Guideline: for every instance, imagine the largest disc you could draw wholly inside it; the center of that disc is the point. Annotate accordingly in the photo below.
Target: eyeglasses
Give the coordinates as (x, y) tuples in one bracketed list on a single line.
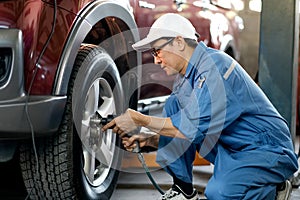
[(154, 50)]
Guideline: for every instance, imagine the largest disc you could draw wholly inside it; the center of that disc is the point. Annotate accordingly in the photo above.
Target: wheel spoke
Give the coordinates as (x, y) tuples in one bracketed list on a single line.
[(105, 153), (106, 104), (89, 165), (84, 129), (91, 104)]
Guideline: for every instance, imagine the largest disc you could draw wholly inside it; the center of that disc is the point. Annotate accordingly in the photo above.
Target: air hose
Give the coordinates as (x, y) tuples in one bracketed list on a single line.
[(142, 160)]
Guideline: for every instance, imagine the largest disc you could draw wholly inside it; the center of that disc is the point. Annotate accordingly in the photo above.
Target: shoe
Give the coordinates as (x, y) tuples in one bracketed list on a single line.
[(175, 193), (295, 181), (284, 191)]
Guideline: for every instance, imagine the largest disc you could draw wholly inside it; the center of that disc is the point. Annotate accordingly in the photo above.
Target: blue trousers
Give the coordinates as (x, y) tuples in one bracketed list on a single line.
[(251, 174)]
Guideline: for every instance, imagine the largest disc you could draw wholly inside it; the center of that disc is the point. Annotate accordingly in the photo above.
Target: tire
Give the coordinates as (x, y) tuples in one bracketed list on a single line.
[(67, 167)]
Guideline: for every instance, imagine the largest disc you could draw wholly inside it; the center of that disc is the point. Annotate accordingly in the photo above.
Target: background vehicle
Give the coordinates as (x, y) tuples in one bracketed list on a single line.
[(61, 61), (216, 22)]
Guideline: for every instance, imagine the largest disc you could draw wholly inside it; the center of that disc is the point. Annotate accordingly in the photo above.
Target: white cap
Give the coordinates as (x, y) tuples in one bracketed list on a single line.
[(167, 25)]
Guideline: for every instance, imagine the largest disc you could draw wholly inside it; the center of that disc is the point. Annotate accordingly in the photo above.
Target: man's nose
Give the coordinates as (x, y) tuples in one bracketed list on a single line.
[(157, 60)]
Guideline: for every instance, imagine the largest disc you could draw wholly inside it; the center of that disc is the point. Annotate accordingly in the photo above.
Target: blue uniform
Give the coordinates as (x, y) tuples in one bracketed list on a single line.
[(228, 119)]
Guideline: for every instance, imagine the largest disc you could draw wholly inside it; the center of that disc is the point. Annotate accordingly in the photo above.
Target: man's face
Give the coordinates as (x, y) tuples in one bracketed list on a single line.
[(166, 55)]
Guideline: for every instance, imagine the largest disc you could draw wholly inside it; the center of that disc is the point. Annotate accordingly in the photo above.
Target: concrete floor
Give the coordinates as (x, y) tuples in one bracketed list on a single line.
[(135, 184)]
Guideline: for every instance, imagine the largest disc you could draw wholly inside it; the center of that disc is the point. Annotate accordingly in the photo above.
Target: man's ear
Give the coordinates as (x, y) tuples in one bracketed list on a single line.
[(180, 43)]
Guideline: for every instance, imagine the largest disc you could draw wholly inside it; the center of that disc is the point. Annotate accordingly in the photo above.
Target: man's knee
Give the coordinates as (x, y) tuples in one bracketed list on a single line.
[(224, 189), (219, 191), (228, 190)]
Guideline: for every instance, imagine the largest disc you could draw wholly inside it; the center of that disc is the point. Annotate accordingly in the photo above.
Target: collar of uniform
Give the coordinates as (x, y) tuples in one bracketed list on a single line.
[(197, 54)]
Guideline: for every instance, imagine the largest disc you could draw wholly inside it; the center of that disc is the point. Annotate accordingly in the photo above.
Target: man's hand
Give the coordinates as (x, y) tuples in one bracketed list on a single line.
[(144, 139), (123, 124)]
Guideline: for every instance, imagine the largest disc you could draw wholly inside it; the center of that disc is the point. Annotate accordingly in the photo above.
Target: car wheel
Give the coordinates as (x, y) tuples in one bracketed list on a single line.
[(69, 166)]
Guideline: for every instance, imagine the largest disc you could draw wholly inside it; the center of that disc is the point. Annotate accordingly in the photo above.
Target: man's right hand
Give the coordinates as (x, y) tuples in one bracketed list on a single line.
[(144, 139)]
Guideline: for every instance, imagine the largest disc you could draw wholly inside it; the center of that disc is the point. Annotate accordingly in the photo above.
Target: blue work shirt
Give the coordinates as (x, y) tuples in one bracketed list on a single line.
[(220, 103)]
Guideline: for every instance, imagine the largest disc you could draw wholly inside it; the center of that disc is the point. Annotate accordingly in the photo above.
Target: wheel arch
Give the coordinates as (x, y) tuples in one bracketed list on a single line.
[(120, 28)]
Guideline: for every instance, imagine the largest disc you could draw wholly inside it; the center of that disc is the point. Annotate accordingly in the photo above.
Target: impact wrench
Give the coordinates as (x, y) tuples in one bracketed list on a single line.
[(97, 121)]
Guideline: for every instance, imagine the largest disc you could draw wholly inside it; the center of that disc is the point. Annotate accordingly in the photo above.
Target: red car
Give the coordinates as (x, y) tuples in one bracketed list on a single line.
[(63, 63), (216, 22)]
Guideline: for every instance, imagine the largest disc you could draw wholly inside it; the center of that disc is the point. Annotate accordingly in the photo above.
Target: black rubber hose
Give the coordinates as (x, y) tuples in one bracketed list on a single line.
[(142, 160)]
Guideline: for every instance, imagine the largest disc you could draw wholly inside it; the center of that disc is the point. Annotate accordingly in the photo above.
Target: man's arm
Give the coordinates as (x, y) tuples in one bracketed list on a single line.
[(131, 119), (162, 126)]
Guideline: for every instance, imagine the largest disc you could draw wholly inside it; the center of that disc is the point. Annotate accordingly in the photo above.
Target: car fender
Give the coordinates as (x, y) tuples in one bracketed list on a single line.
[(83, 23)]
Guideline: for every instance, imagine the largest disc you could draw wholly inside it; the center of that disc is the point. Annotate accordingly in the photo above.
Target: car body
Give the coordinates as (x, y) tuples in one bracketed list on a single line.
[(216, 22), (61, 62)]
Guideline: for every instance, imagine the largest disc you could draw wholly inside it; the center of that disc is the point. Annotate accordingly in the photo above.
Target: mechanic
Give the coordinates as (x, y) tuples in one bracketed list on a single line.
[(215, 108)]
